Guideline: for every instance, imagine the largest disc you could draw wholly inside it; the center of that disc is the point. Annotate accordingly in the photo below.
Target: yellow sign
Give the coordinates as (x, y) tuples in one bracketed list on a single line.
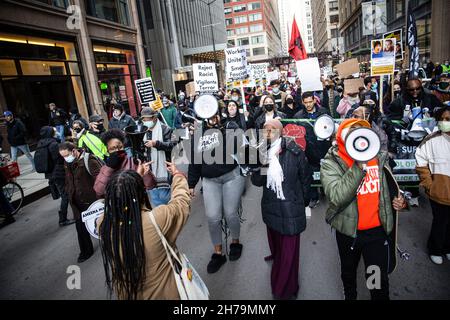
[(157, 105)]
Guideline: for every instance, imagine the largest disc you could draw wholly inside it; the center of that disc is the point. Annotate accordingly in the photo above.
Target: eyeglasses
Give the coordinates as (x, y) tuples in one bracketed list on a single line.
[(414, 89)]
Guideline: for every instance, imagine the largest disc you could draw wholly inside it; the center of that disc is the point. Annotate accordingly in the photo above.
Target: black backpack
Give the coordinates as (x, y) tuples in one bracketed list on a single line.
[(43, 161)]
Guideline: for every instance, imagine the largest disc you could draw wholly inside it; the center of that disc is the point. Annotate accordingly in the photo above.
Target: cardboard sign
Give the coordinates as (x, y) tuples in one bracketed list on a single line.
[(308, 71), (236, 63), (347, 68), (205, 77), (398, 35), (145, 90), (353, 85), (383, 57), (190, 89)]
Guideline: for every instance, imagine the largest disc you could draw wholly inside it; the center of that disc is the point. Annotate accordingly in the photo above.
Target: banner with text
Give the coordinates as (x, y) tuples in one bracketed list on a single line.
[(383, 57), (205, 77), (146, 90), (236, 64)]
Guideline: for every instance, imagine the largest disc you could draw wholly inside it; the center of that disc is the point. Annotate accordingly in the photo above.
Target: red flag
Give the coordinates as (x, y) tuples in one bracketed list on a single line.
[(296, 48)]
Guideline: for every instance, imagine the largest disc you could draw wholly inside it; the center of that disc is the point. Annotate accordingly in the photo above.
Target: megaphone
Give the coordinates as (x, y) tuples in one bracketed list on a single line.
[(136, 136), (362, 144), (324, 127), (417, 131), (206, 106)]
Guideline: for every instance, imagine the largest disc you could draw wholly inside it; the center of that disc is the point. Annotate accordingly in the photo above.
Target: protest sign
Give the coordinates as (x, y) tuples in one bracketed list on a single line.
[(190, 89), (383, 57), (205, 77), (308, 71), (145, 90), (258, 71), (353, 85), (347, 68), (236, 63), (273, 75), (398, 36)]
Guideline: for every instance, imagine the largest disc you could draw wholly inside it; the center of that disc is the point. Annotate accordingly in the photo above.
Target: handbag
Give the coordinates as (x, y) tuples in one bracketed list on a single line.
[(189, 284)]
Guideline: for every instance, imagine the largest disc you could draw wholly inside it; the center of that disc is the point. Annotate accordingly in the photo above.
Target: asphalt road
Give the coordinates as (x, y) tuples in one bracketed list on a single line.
[(35, 254)]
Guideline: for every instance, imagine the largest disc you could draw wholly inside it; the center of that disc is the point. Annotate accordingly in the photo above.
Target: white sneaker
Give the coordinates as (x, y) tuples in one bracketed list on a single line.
[(437, 259), (414, 202)]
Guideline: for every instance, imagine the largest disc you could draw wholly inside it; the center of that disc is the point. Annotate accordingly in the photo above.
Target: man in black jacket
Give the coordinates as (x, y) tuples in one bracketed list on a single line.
[(56, 178), (315, 149), (415, 96), (159, 144), (58, 118), (75, 115), (16, 137)]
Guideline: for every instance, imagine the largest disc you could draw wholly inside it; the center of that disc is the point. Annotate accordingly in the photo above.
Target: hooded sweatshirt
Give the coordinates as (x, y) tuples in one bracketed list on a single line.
[(369, 191)]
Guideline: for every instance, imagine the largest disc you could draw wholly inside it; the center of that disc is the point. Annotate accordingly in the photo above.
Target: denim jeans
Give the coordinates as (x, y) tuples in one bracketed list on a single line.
[(159, 196), (222, 196), (60, 185), (25, 150)]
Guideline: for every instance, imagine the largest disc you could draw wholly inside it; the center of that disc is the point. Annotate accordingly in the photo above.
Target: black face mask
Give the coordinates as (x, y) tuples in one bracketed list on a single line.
[(77, 130), (289, 101), (269, 108), (397, 94), (100, 127), (444, 85)]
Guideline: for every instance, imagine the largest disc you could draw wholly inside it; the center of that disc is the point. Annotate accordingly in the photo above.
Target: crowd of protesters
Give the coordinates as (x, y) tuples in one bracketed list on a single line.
[(87, 161)]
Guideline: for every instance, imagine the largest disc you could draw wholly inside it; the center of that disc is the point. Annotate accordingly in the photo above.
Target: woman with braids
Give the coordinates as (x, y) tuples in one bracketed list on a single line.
[(135, 261)]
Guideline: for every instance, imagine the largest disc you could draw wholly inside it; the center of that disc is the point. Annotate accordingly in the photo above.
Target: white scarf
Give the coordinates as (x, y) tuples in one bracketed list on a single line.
[(275, 176), (158, 156)]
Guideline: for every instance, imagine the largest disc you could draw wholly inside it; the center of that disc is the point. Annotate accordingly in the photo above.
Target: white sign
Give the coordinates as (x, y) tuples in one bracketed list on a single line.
[(258, 70), (236, 59), (308, 71), (91, 215), (205, 77), (273, 75), (374, 17)]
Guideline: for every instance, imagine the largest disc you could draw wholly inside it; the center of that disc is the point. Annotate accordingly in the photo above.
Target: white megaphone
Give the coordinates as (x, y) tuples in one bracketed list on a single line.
[(362, 144), (417, 131), (324, 127), (206, 106)]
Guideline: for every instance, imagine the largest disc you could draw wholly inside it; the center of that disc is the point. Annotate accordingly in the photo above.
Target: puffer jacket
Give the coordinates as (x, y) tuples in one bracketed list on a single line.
[(433, 167), (287, 216), (48, 141), (341, 183), (16, 133)]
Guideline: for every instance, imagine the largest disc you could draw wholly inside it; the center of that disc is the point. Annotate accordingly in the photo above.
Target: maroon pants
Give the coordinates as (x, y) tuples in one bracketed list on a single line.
[(285, 251)]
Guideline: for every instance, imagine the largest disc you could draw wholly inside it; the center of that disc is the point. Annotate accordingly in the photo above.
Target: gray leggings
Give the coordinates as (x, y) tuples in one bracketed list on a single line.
[(223, 195)]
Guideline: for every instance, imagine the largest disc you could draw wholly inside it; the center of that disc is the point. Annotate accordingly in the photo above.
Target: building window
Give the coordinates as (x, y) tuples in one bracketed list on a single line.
[(334, 19), (240, 19), (242, 30), (258, 40), (230, 32), (259, 51), (111, 10), (231, 42), (254, 6), (228, 10), (334, 5), (256, 27), (228, 21), (56, 3), (243, 42), (254, 17), (240, 8)]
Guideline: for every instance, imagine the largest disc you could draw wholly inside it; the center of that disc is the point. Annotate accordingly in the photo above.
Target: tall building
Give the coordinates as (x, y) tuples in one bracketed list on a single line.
[(85, 59), (327, 38), (255, 26), (176, 34), (430, 16), (301, 10)]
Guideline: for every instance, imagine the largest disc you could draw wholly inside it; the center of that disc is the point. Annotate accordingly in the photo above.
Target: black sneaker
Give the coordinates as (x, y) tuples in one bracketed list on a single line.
[(67, 222), (8, 220), (235, 251), (217, 260)]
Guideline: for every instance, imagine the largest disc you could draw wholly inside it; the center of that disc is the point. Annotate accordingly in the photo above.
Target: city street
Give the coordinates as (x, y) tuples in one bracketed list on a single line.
[(36, 252)]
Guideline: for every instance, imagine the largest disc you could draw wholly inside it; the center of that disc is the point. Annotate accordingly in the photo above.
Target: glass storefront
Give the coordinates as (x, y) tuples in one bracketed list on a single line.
[(117, 71), (35, 72)]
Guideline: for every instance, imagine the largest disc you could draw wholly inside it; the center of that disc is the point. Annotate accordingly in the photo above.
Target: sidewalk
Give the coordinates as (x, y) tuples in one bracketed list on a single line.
[(34, 184)]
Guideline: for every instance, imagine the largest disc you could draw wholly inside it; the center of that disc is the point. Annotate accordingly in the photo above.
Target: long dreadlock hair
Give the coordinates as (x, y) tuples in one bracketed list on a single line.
[(121, 235)]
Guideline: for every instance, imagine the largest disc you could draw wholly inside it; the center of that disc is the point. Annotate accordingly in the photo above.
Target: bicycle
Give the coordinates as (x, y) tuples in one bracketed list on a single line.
[(12, 191)]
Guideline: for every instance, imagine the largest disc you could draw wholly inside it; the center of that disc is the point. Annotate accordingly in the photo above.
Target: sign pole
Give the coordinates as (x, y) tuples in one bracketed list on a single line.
[(381, 94), (244, 104)]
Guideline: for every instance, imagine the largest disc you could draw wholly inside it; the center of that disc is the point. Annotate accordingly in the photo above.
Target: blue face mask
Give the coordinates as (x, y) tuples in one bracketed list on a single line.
[(375, 85)]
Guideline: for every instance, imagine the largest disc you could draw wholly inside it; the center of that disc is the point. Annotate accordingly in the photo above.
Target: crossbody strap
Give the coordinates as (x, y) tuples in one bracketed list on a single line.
[(93, 144), (169, 250)]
